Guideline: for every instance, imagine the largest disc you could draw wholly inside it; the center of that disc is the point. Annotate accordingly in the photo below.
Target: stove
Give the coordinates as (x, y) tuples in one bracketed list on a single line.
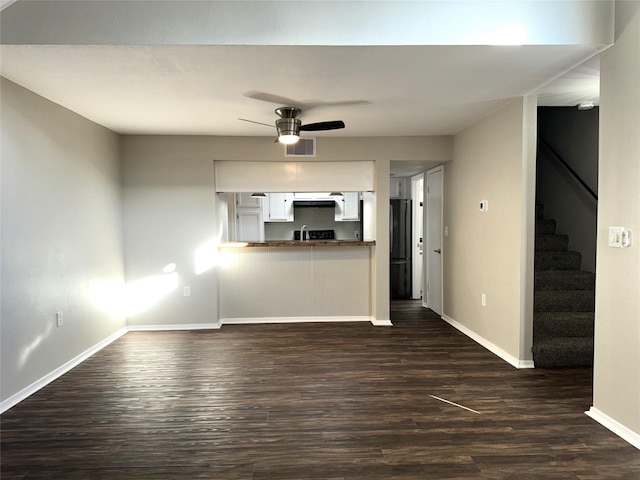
[(316, 235)]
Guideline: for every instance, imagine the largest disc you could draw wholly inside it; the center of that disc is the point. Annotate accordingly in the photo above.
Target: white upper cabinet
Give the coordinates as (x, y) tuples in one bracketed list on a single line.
[(348, 207), (245, 200), (278, 207), (395, 188)]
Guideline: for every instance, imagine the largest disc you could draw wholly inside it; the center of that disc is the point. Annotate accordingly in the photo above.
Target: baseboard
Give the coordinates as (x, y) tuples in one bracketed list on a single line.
[(381, 323), (169, 327), (493, 348), (58, 372), (616, 427), (254, 320)]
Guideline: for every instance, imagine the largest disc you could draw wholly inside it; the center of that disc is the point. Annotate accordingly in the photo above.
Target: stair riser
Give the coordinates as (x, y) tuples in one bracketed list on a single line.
[(564, 280), (545, 226), (577, 327), (564, 301), (549, 243), (558, 261), (563, 353)]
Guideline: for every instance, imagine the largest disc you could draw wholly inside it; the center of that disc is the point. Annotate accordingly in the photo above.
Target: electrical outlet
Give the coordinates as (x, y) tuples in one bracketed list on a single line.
[(483, 300), (186, 291), (59, 319)]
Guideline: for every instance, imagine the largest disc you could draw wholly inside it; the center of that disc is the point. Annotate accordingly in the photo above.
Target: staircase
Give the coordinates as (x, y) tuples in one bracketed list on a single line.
[(564, 301)]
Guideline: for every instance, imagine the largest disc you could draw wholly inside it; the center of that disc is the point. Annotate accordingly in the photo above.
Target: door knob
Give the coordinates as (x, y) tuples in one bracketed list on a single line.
[(438, 251)]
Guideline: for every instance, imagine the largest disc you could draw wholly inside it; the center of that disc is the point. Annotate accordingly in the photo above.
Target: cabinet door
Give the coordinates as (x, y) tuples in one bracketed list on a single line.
[(395, 188), (348, 207), (279, 207), (245, 200), (249, 226)]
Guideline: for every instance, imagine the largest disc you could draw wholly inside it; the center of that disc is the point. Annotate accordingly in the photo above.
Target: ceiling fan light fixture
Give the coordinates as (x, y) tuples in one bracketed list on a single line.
[(288, 130), (288, 139)]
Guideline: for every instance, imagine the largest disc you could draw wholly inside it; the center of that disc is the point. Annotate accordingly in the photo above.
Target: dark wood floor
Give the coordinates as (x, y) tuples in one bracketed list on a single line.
[(311, 401)]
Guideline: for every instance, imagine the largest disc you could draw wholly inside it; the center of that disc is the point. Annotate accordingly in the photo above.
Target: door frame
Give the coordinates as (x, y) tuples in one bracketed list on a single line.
[(427, 226), (417, 247)]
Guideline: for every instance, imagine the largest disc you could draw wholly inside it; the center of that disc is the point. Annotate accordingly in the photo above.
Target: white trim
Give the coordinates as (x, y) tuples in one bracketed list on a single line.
[(381, 323), (493, 348), (58, 372), (616, 427), (169, 327), (254, 320)]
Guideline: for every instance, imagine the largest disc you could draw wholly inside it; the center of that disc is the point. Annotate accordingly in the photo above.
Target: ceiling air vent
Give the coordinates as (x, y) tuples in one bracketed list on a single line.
[(305, 147)]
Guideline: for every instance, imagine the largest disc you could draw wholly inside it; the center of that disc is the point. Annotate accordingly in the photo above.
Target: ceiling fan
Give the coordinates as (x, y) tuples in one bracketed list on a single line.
[(289, 125)]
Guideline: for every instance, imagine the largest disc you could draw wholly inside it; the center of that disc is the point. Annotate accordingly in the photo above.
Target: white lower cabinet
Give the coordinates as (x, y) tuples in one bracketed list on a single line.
[(278, 207), (348, 207)]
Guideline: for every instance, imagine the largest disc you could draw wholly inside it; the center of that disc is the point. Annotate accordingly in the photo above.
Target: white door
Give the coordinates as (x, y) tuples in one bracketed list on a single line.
[(433, 247), (417, 197)]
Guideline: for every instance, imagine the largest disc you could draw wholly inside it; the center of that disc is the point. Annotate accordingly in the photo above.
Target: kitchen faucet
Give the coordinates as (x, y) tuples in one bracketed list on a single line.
[(302, 232)]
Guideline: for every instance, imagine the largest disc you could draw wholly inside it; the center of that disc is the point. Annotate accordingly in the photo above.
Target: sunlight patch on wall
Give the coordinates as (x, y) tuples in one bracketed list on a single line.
[(135, 297), (147, 292), (26, 351)]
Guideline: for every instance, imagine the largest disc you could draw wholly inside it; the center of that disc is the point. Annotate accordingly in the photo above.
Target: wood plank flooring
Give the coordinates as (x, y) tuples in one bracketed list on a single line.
[(311, 401)]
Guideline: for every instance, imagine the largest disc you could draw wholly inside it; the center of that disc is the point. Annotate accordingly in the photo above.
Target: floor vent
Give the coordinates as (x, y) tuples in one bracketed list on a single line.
[(305, 147)]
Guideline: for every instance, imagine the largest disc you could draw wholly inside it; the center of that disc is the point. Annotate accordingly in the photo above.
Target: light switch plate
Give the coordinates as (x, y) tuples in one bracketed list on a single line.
[(484, 205), (616, 237)]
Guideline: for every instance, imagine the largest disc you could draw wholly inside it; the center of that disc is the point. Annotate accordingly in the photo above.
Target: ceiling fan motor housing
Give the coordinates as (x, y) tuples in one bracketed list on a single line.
[(288, 126)]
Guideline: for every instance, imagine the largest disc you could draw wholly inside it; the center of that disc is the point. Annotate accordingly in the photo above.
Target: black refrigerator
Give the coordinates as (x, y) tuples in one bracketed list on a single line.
[(400, 245)]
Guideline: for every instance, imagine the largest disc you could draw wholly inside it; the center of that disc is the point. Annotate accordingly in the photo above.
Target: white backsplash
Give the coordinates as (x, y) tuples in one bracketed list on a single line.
[(315, 218)]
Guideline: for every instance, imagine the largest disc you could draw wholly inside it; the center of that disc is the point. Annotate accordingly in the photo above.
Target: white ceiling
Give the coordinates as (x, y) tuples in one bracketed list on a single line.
[(203, 90), (376, 90)]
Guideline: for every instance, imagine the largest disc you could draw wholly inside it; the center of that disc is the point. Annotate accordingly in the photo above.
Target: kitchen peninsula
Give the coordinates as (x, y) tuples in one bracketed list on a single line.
[(292, 280), (304, 243)]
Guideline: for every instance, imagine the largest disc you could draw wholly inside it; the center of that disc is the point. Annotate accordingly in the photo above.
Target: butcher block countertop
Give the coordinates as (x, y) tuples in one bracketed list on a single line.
[(298, 243)]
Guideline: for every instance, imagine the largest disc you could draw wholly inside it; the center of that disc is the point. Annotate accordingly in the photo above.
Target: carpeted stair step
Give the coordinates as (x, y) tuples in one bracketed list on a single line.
[(564, 301), (563, 352), (557, 260), (562, 324), (564, 280), (545, 226), (546, 242)]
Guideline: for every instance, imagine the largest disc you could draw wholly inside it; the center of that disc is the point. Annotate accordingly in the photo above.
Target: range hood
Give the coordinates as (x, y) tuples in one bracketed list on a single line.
[(314, 203), (314, 199)]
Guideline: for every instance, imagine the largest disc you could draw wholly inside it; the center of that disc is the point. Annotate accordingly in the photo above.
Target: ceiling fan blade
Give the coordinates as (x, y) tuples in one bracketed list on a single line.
[(258, 123), (315, 127), (268, 97)]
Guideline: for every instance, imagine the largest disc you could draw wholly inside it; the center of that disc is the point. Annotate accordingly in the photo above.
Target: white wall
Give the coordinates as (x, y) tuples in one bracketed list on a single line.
[(616, 388), (492, 252), (169, 204), (61, 236)]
